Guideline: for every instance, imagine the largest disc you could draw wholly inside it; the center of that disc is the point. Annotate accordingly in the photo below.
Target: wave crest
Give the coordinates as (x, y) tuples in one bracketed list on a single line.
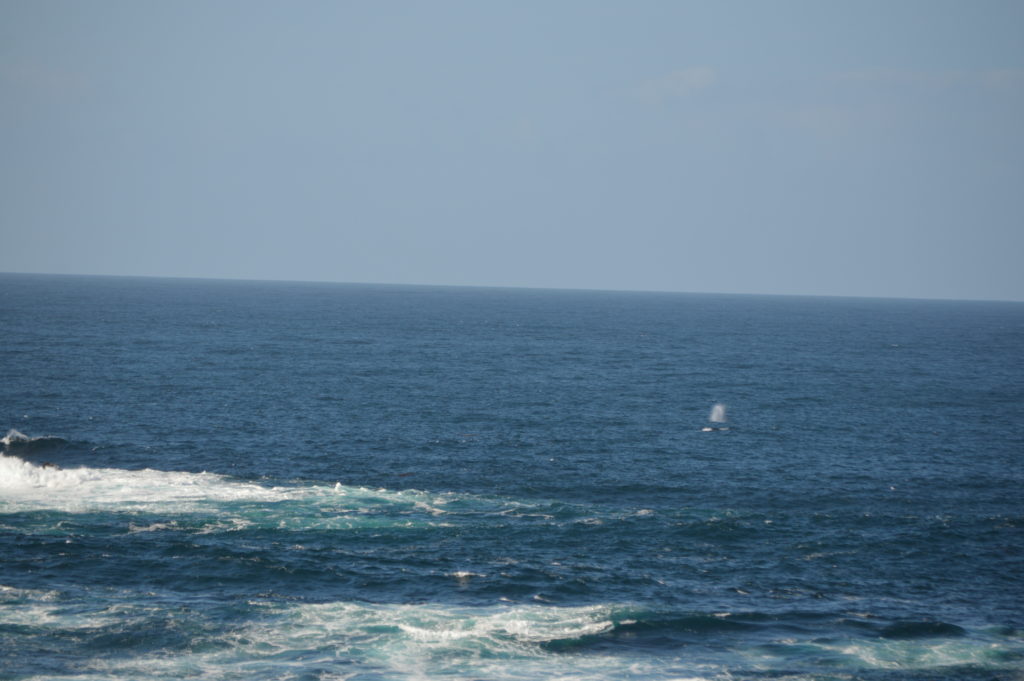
[(16, 442)]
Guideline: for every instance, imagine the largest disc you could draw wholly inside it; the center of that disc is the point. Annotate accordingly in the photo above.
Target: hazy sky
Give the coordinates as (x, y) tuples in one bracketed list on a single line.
[(834, 148)]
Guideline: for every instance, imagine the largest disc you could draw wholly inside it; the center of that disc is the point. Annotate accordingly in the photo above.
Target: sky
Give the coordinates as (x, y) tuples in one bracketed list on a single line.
[(858, 148)]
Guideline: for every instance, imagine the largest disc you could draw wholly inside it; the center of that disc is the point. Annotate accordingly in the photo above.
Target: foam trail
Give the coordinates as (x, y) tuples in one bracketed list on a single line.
[(33, 485), (218, 502)]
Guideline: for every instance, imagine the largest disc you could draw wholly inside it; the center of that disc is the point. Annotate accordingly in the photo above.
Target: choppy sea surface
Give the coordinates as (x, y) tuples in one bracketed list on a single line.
[(245, 480)]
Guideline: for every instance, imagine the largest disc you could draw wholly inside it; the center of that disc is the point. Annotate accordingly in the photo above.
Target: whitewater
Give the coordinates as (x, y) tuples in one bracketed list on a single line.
[(244, 480)]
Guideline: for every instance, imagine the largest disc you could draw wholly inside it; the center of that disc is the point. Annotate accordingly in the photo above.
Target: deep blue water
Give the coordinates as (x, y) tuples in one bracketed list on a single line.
[(242, 480)]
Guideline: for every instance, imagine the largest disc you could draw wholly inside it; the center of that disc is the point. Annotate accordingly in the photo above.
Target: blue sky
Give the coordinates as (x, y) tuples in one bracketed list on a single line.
[(823, 148)]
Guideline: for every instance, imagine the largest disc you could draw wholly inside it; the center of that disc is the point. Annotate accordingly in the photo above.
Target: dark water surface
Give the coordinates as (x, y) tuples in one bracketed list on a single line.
[(320, 481)]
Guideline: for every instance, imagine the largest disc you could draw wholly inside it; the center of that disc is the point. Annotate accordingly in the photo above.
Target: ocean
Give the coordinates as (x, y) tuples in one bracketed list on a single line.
[(265, 480)]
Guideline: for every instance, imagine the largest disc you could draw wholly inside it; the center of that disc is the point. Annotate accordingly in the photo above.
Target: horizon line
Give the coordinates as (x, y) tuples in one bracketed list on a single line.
[(579, 289)]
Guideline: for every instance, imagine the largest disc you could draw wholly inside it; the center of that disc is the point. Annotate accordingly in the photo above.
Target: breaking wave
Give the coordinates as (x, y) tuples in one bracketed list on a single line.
[(16, 442)]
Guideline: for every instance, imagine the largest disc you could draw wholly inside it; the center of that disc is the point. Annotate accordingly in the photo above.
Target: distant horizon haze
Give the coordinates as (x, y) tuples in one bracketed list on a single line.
[(767, 294), (865, 149)]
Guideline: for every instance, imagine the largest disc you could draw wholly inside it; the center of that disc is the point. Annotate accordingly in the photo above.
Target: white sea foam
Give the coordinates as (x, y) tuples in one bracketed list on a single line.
[(914, 654), (428, 641), (394, 642), (464, 577), (504, 642), (26, 485), (154, 527), (515, 635), (225, 504), (11, 594)]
